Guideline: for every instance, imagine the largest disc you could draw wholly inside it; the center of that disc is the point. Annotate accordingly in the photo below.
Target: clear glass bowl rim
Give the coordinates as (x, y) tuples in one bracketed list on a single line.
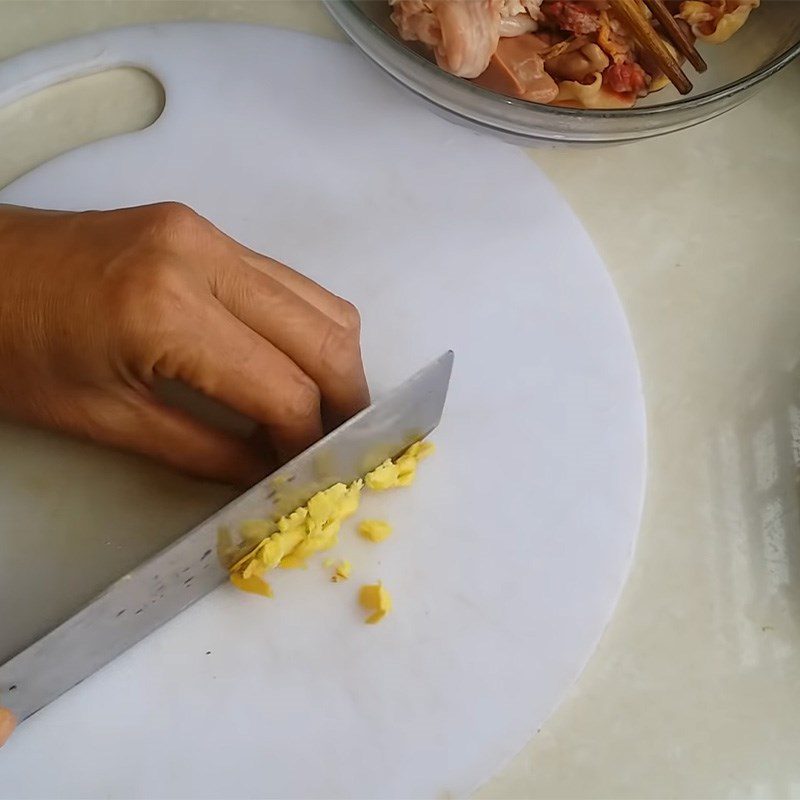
[(685, 104)]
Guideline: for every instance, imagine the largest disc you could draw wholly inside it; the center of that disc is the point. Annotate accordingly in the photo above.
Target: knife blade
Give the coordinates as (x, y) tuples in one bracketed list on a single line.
[(153, 593)]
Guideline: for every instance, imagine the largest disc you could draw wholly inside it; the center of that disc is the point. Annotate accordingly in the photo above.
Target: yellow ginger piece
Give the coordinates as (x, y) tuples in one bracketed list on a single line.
[(305, 531), (342, 571), (349, 503), (256, 530), (253, 584), (420, 450), (383, 477), (375, 598), (315, 527), (376, 530), (293, 561), (401, 471)]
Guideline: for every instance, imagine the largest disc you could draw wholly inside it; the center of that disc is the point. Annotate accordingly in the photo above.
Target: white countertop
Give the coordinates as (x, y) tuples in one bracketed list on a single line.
[(695, 688)]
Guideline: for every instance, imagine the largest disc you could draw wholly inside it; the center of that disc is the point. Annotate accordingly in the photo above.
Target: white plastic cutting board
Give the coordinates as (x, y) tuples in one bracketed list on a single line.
[(511, 549)]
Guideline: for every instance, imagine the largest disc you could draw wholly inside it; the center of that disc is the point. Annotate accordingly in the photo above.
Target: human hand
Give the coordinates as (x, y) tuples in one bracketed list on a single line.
[(95, 306), (7, 725)]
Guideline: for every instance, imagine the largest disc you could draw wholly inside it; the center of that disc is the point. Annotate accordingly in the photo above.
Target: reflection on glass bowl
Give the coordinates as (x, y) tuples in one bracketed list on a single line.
[(736, 70)]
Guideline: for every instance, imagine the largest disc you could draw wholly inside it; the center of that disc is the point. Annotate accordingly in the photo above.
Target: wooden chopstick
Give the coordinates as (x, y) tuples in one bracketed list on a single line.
[(631, 15), (676, 34)]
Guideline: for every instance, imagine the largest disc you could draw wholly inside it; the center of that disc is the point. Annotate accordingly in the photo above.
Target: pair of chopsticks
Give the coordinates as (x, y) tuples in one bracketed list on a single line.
[(632, 15)]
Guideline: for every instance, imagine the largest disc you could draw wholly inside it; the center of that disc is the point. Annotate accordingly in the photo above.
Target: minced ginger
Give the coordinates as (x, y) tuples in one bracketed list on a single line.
[(400, 471), (341, 571), (376, 599), (376, 530), (307, 530), (315, 526)]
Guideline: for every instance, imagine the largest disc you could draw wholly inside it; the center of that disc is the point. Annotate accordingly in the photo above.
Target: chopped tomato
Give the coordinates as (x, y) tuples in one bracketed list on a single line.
[(626, 76), (579, 18)]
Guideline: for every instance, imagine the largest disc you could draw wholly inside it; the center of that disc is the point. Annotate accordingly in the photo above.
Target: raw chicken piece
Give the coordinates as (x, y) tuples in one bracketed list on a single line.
[(519, 16), (513, 8), (462, 33), (416, 21), (517, 25), (516, 9)]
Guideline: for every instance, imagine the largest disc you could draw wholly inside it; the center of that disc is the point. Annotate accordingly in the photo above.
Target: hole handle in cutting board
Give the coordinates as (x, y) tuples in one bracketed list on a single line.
[(138, 46), (37, 69)]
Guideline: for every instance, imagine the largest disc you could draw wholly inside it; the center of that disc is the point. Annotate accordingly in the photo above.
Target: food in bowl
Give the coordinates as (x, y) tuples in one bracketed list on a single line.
[(569, 53)]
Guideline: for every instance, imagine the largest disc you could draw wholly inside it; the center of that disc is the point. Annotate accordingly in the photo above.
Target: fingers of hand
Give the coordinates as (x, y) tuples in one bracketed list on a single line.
[(230, 362), (239, 327), (312, 327), (326, 350), (339, 310)]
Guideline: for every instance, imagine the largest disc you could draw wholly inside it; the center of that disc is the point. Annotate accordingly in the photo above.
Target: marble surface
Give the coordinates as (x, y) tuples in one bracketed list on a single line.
[(695, 689)]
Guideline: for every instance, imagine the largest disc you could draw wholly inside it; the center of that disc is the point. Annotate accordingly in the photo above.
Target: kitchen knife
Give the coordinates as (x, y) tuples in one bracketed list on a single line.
[(163, 586)]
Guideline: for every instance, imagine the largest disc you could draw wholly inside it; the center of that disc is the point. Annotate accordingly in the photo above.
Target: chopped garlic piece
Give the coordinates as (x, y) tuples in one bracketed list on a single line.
[(342, 571), (376, 530), (375, 598)]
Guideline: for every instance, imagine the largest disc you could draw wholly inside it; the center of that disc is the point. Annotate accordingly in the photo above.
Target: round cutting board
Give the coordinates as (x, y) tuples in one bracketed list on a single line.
[(510, 550)]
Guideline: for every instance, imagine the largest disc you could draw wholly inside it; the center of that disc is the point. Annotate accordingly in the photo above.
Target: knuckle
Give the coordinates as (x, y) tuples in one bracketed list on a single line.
[(186, 364), (158, 284), (340, 351), (303, 399), (175, 224), (349, 316), (149, 296), (174, 213)]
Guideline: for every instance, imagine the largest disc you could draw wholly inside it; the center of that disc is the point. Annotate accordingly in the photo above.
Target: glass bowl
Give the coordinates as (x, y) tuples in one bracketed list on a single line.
[(736, 70)]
